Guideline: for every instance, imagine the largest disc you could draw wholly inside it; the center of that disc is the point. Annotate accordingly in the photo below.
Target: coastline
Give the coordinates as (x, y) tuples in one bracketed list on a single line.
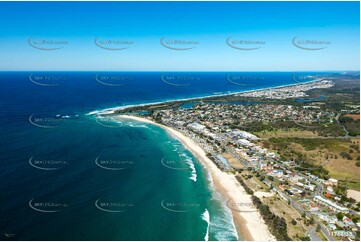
[(249, 225), (113, 110)]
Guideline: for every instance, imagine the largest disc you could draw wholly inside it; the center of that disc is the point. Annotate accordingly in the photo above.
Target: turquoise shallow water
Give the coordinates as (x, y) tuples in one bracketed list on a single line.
[(93, 179), (66, 175)]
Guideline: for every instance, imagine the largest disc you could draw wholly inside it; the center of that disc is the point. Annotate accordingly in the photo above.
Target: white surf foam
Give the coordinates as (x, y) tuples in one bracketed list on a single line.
[(206, 217), (222, 226), (189, 161)]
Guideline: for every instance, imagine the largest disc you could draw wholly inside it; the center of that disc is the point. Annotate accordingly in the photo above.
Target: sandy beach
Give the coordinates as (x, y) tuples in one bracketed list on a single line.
[(250, 225)]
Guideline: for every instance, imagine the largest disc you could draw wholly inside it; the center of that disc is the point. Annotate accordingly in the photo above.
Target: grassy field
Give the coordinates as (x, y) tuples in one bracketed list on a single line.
[(254, 183), (282, 209), (232, 160), (328, 155), (290, 133), (277, 206), (324, 152)]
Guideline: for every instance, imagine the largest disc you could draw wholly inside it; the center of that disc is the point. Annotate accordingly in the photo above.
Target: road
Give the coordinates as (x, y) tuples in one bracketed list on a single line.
[(343, 127), (293, 202)]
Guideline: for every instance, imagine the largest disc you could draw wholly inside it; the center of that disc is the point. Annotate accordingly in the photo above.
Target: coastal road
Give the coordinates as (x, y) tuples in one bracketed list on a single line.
[(309, 215), (312, 234), (325, 232)]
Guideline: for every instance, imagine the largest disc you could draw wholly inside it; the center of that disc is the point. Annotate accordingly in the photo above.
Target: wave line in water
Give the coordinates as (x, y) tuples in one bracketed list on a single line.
[(206, 217)]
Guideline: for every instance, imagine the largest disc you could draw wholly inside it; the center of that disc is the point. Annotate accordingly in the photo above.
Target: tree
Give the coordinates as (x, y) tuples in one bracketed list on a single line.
[(312, 220), (339, 216)]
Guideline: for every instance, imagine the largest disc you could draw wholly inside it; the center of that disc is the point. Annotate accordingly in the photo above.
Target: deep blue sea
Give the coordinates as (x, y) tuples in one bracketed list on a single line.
[(68, 175)]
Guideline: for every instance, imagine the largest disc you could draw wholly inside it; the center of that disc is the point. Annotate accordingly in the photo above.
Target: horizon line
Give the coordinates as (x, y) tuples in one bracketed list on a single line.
[(174, 71)]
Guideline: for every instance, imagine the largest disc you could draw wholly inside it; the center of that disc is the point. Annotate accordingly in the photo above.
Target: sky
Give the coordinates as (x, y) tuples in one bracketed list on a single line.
[(179, 36)]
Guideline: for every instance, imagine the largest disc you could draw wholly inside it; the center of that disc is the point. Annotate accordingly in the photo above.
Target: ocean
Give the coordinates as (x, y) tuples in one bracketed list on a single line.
[(69, 175)]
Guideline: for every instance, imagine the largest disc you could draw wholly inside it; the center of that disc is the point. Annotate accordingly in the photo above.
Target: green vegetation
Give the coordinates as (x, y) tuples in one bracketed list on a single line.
[(309, 144), (351, 125), (276, 225), (248, 190), (324, 157)]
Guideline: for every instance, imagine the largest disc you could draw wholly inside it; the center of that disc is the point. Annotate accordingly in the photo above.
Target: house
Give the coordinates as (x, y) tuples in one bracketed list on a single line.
[(295, 178), (332, 226), (340, 224), (314, 207), (277, 173), (327, 218), (331, 182), (330, 205), (330, 189), (348, 221), (310, 187), (328, 195)]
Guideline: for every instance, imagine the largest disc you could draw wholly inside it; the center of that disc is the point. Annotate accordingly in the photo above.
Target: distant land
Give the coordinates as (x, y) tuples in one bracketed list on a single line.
[(289, 147)]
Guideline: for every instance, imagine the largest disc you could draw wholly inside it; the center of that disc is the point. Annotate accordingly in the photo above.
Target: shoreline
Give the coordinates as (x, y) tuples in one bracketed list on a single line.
[(113, 110), (249, 225)]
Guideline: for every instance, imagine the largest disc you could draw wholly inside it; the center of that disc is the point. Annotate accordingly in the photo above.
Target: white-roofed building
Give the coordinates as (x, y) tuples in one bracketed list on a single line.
[(330, 205)]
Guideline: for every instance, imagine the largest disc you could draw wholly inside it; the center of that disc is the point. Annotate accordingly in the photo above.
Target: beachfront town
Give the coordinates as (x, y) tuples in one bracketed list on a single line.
[(295, 91), (221, 128)]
